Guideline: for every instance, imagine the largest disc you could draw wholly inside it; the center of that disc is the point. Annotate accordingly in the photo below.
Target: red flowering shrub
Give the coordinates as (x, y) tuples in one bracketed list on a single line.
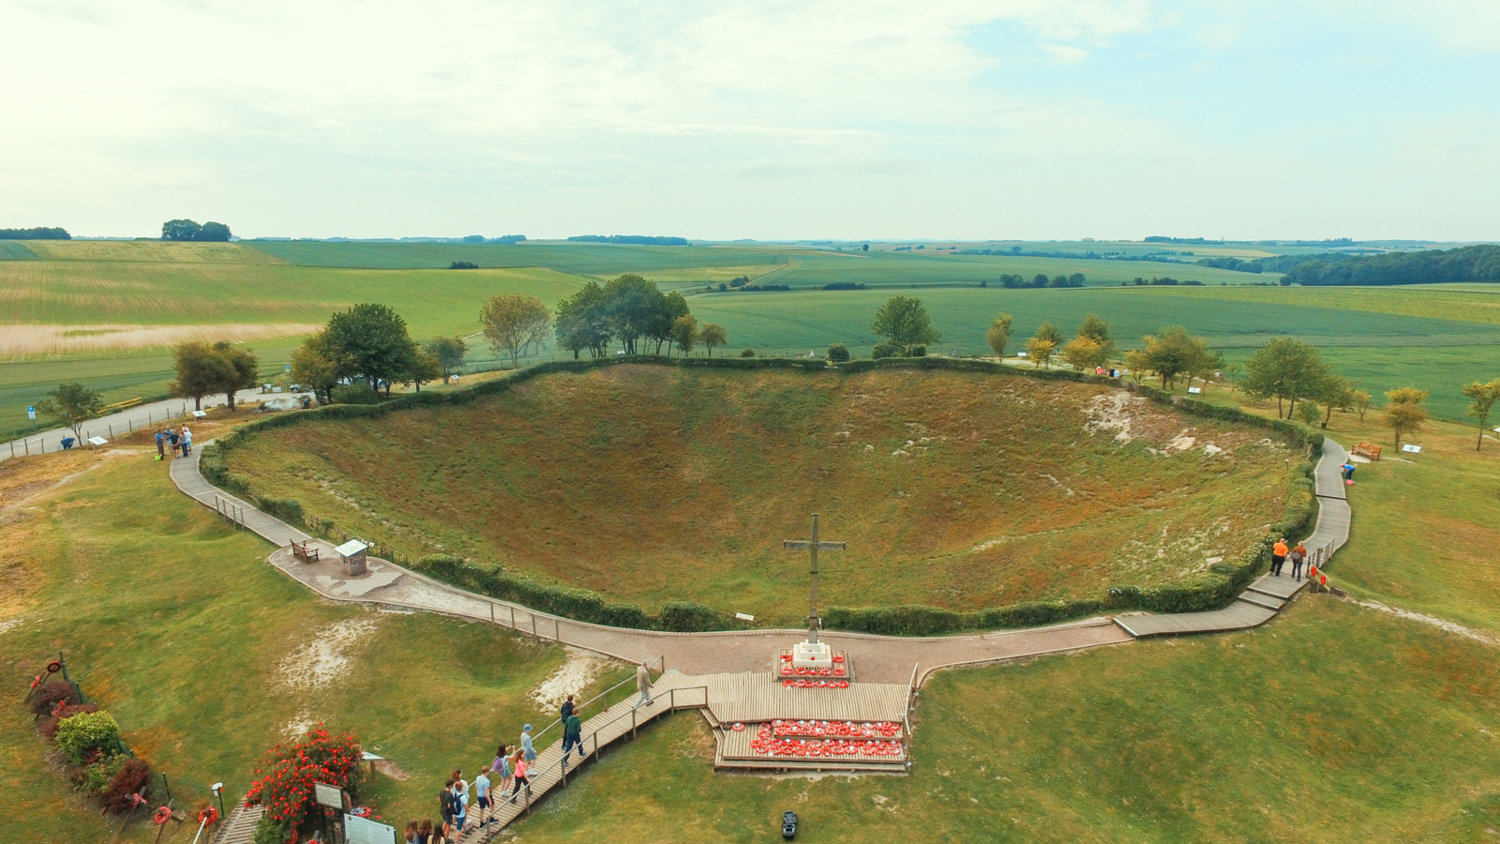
[(284, 782)]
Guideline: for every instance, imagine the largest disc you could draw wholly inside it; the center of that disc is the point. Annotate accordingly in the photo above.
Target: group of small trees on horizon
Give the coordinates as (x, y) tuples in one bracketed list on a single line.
[(183, 229), (632, 311)]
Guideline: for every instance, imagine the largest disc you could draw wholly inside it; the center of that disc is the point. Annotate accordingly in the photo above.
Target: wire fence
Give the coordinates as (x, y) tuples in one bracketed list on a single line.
[(30, 445)]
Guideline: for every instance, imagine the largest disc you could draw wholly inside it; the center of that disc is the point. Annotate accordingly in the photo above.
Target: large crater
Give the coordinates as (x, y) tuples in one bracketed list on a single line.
[(653, 483)]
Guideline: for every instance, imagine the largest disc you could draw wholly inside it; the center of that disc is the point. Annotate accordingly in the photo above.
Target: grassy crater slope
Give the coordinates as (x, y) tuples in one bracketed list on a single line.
[(650, 484)]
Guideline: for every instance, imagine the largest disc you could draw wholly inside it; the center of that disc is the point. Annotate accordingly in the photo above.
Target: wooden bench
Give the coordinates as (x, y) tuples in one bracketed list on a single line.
[(1369, 450), (304, 551)]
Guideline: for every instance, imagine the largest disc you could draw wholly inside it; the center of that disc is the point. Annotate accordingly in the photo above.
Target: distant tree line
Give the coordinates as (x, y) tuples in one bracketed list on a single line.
[(503, 239), (843, 285), (636, 239), (1159, 238), (463, 265), (1470, 263), (1239, 265), (183, 229), (1014, 281), (38, 233)]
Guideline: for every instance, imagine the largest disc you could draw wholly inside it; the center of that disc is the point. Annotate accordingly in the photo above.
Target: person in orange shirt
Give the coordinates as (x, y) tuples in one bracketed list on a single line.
[(1278, 556)]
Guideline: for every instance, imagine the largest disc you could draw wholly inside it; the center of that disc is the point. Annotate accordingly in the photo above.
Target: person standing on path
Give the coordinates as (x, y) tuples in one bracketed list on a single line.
[(460, 810), (482, 794), (1278, 556), (519, 763), (424, 832), (501, 767), (567, 708), (643, 682), (187, 441), (445, 806), (173, 439), (1299, 556), (526, 746), (411, 833), (572, 735), (161, 450)]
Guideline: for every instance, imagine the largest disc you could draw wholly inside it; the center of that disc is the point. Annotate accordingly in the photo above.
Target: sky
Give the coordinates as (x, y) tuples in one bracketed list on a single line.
[(936, 119)]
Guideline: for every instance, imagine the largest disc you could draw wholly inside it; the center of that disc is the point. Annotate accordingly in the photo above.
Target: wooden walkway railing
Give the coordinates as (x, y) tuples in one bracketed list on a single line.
[(622, 720)]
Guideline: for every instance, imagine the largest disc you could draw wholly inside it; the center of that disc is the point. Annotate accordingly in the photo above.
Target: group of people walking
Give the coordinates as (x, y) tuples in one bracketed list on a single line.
[(1280, 554), (180, 441)]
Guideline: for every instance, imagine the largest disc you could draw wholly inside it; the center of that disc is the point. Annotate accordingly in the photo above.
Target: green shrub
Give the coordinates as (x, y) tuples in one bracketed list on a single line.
[(356, 394), (95, 778), (286, 509), (838, 352), (885, 350), (63, 711), (87, 735), (747, 353), (916, 350)]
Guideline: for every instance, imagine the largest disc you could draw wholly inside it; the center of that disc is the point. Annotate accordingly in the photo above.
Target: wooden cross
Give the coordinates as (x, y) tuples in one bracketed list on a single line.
[(812, 546)]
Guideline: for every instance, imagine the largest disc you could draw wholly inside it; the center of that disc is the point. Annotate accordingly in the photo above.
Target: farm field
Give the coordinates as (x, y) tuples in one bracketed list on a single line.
[(650, 484), (107, 312)]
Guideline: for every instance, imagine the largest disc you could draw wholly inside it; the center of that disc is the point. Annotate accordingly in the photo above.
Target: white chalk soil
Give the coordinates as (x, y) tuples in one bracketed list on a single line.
[(579, 669)]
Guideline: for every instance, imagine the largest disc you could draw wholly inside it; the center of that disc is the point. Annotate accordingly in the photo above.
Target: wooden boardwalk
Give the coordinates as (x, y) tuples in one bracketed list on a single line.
[(748, 698)]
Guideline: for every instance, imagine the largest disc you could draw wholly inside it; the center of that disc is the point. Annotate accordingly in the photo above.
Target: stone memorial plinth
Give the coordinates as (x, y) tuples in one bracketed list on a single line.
[(353, 555)]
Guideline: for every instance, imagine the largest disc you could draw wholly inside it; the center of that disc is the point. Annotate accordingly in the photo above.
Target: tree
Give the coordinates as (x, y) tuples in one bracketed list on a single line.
[(905, 321), (1404, 414), (1359, 400), (1336, 393), (315, 363), (1482, 397), (1083, 353), (838, 352), (583, 321), (666, 310), (1048, 331), (1287, 369), (685, 333), (1169, 353), (450, 353), (1040, 350), (213, 232), (246, 368), (72, 405), (1138, 363), (998, 334), (713, 334), (201, 371), (1039, 280), (1308, 411), (425, 366), (370, 341), (181, 229), (512, 323), (629, 304)]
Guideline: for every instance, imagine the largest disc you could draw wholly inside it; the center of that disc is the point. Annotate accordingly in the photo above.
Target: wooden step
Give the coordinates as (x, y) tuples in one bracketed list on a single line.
[(1270, 602)]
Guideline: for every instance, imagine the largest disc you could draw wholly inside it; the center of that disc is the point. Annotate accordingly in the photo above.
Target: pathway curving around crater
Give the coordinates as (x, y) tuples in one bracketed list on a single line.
[(883, 659)]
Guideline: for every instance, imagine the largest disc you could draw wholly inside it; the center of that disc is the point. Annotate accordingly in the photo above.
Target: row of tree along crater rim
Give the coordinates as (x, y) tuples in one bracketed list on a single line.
[(960, 485)]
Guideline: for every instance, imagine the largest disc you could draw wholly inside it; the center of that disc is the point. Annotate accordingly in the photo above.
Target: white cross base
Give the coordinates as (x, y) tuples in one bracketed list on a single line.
[(812, 655)]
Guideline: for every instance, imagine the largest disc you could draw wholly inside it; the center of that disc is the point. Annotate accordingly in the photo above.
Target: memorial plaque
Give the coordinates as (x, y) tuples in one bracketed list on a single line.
[(1411, 449), (359, 830), (328, 795), (98, 441)]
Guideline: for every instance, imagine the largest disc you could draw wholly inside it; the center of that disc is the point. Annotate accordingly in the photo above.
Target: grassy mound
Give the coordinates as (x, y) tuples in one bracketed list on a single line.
[(650, 484)]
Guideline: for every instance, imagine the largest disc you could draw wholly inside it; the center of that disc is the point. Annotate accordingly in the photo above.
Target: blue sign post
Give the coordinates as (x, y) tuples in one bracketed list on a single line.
[(31, 412)]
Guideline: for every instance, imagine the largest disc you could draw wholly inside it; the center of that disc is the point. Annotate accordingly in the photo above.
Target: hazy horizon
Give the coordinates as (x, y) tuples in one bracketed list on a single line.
[(953, 121)]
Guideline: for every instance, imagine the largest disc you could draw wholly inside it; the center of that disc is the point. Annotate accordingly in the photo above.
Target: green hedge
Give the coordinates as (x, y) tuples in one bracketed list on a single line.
[(1209, 590), (571, 602)]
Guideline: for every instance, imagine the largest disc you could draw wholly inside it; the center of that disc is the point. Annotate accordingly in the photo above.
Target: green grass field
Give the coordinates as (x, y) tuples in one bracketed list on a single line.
[(652, 484), (173, 621), (69, 307), (1333, 723)]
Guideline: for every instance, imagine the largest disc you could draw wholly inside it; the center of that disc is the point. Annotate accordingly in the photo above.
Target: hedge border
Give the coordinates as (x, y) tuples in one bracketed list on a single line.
[(1205, 591)]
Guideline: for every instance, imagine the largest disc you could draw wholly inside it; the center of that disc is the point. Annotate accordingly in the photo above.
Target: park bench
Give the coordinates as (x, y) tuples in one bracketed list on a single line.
[(121, 405), (1369, 450), (304, 551)]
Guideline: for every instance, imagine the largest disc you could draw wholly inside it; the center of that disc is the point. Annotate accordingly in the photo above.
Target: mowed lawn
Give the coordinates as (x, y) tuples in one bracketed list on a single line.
[(651, 484), (175, 623), (1332, 724)]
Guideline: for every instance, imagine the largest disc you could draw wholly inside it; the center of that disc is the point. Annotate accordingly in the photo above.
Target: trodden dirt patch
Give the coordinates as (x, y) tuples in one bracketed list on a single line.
[(580, 669), (325, 659)]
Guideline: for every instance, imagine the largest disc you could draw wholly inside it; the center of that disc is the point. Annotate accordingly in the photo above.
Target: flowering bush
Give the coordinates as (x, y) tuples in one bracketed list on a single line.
[(284, 782), (88, 736)]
